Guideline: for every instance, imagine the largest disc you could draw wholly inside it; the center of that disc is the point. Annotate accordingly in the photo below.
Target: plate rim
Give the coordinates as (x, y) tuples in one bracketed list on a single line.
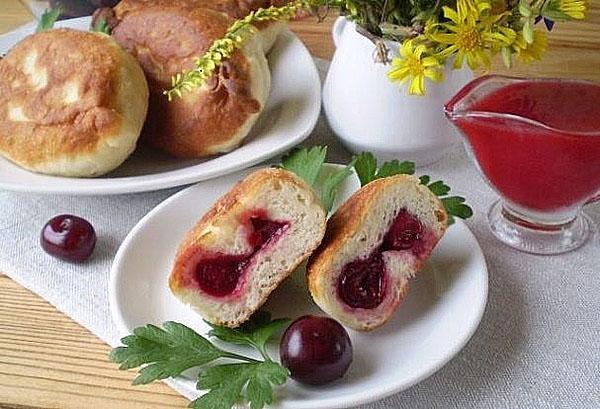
[(132, 184), (349, 400)]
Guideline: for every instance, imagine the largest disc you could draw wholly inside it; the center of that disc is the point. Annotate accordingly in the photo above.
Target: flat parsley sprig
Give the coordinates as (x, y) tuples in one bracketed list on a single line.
[(171, 350), (308, 164), (365, 165)]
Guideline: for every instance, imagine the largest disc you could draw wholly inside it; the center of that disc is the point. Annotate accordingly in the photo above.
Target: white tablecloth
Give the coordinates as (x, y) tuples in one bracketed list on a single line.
[(538, 345)]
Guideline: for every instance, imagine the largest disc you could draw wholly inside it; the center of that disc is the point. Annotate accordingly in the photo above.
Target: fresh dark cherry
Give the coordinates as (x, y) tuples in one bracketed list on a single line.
[(220, 274), (361, 283), (69, 238), (405, 232), (316, 350)]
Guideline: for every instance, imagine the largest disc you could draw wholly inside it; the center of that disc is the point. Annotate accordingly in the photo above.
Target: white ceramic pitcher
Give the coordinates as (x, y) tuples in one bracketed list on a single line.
[(370, 113)]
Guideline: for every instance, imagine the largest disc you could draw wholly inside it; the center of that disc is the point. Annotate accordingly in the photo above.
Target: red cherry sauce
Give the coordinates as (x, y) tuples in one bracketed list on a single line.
[(363, 282), (220, 274), (539, 167)]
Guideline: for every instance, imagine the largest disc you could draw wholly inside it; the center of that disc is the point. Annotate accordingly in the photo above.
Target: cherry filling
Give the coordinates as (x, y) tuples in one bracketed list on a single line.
[(362, 283), (404, 234), (219, 274)]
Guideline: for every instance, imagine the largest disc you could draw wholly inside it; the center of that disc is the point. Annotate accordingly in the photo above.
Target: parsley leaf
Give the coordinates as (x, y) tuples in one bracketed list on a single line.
[(102, 26), (255, 333), (171, 350), (166, 352), (328, 189), (455, 207), (48, 19), (308, 164), (226, 384), (366, 169), (395, 167)]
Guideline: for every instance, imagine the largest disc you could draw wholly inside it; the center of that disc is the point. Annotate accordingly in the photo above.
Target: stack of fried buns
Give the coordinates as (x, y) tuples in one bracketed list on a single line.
[(75, 103)]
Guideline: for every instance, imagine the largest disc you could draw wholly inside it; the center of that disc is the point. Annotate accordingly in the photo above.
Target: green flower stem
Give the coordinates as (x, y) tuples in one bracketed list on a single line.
[(224, 47)]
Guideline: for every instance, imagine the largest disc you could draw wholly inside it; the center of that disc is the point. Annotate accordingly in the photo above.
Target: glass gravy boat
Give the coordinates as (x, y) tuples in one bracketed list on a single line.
[(537, 143)]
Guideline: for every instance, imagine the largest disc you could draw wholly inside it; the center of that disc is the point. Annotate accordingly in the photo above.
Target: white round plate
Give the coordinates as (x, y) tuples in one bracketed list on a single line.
[(441, 312), (289, 116)]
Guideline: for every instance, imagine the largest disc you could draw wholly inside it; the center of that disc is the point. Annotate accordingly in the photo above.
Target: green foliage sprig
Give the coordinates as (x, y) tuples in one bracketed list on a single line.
[(224, 47), (171, 350), (308, 164), (102, 26), (49, 17), (366, 168)]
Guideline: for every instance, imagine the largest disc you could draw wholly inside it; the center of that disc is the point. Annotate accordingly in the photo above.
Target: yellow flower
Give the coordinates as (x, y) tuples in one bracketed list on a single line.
[(471, 33), (413, 65), (573, 8), (531, 52)]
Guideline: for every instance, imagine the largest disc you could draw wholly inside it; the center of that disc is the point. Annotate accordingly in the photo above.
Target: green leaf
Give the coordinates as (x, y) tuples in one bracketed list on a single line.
[(48, 19), (507, 56), (365, 166), (329, 187), (305, 163), (164, 352), (524, 9), (528, 31), (308, 164), (455, 207), (226, 383), (366, 169), (102, 26), (256, 332), (439, 188), (424, 179), (395, 167)]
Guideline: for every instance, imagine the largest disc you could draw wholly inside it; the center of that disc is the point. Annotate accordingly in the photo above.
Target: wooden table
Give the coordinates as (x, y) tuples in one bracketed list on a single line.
[(49, 361)]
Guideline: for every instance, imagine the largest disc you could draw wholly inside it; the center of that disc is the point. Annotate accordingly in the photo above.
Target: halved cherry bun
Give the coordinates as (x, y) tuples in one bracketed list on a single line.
[(374, 244), (246, 245)]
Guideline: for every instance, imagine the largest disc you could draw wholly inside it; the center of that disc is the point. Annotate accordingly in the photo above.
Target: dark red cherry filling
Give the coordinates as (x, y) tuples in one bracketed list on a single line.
[(362, 283), (220, 274), (404, 234)]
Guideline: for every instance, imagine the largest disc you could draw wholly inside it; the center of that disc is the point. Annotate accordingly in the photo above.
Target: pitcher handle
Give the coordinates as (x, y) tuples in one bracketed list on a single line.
[(338, 28)]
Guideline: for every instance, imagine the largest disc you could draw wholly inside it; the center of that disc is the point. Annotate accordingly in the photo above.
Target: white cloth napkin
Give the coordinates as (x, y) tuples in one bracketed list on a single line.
[(538, 345)]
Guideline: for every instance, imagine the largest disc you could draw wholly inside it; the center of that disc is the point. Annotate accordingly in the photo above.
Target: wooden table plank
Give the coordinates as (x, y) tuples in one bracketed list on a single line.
[(49, 361)]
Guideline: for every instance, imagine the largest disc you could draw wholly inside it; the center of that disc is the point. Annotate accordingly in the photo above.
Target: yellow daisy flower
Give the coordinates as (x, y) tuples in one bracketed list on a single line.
[(471, 33), (528, 53), (573, 8), (414, 65)]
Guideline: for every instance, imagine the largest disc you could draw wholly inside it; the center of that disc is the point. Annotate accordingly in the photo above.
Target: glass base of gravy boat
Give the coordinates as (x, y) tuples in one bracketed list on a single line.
[(515, 230), (537, 144)]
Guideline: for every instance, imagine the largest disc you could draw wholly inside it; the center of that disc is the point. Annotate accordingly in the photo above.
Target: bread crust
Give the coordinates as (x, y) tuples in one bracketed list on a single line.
[(61, 100), (234, 202), (345, 223), (205, 121), (233, 8)]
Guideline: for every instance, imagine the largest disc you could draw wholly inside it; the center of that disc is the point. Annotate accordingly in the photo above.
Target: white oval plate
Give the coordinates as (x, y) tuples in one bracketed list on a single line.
[(443, 308), (290, 115)]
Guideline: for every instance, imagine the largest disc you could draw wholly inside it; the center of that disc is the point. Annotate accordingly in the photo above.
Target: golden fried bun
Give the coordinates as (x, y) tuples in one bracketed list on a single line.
[(214, 118), (268, 30), (72, 103)]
